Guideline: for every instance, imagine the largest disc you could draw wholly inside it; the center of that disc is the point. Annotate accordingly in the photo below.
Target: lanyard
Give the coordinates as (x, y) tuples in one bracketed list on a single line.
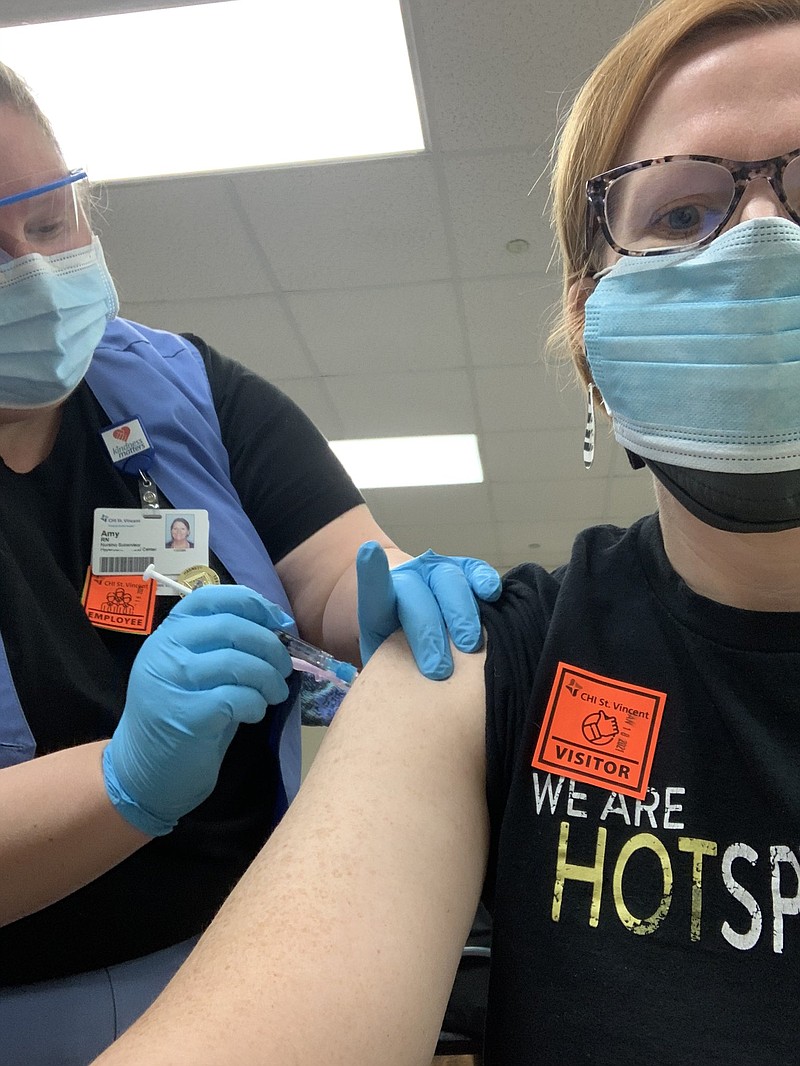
[(131, 452)]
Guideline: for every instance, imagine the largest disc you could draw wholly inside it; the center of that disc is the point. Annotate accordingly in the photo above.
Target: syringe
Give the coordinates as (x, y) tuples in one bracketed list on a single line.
[(337, 672)]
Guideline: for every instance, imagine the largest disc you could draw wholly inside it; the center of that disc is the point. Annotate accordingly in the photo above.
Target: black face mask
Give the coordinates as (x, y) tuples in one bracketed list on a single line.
[(735, 503)]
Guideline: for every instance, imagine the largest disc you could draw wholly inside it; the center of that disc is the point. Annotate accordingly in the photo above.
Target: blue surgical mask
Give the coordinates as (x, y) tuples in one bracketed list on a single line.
[(53, 312), (697, 355)]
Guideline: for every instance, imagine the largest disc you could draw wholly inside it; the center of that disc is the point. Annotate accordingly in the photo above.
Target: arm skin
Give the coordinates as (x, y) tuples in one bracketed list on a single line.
[(340, 943), (58, 829), (319, 576)]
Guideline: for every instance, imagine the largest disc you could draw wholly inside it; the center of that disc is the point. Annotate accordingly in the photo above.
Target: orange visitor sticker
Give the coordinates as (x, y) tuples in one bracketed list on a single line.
[(125, 603), (600, 731)]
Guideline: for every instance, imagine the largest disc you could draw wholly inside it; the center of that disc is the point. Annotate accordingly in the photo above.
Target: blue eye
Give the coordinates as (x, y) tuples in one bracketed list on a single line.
[(681, 219)]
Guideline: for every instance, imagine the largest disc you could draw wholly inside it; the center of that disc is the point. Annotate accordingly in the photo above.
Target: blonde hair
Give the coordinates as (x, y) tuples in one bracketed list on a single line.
[(15, 93), (603, 113)]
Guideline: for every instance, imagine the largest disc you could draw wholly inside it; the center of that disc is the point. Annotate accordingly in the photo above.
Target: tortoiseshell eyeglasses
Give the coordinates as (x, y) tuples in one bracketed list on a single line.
[(676, 202)]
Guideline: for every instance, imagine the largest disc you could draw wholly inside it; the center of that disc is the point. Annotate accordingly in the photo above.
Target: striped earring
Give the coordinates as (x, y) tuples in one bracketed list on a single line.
[(588, 436)]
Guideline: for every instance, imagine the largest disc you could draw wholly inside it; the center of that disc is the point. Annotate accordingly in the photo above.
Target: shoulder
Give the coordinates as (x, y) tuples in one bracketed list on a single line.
[(122, 334), (535, 600), (226, 373), (597, 544), (531, 592), (531, 579)]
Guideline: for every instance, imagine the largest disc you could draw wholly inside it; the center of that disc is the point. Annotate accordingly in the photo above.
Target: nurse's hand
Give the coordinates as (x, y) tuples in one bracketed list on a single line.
[(431, 597), (212, 663)]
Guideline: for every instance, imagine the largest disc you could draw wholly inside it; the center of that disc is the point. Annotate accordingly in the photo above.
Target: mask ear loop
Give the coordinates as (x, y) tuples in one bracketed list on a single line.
[(588, 436)]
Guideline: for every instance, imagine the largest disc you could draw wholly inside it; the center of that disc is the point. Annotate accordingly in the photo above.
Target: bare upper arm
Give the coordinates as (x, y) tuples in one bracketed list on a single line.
[(341, 941)]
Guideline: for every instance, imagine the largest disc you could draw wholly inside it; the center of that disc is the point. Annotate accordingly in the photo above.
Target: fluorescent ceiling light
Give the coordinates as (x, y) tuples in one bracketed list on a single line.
[(222, 86), (394, 462)]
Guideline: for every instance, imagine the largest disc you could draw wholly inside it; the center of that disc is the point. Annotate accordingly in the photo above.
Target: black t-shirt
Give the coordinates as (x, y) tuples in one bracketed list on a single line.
[(71, 677), (661, 931)]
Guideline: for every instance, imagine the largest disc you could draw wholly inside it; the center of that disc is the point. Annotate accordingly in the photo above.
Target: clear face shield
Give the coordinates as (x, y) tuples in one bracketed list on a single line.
[(45, 213)]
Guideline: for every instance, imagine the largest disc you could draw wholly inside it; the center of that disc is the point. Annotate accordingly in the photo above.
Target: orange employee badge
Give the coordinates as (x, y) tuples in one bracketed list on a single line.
[(123, 602), (600, 731)]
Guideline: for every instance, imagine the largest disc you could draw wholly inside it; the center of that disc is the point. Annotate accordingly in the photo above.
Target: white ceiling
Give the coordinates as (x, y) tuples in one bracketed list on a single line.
[(380, 295)]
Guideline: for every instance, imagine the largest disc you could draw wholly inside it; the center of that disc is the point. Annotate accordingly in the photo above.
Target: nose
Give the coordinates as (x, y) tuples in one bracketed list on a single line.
[(759, 200), (12, 247)]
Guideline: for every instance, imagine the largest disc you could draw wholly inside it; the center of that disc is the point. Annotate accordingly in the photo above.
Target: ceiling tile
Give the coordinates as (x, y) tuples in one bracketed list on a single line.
[(429, 505), (406, 327), (540, 455), (479, 64), (498, 71), (528, 397), (508, 319), (630, 498), (553, 539), (478, 539), (391, 405), (553, 501), (490, 205), (22, 11), (345, 225), (176, 240), (252, 329)]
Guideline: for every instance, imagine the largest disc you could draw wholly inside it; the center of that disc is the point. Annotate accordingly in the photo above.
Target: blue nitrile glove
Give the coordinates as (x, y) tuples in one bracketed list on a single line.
[(211, 664), (428, 596)]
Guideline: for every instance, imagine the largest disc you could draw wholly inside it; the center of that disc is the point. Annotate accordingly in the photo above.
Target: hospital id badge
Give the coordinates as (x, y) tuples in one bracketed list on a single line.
[(127, 541)]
